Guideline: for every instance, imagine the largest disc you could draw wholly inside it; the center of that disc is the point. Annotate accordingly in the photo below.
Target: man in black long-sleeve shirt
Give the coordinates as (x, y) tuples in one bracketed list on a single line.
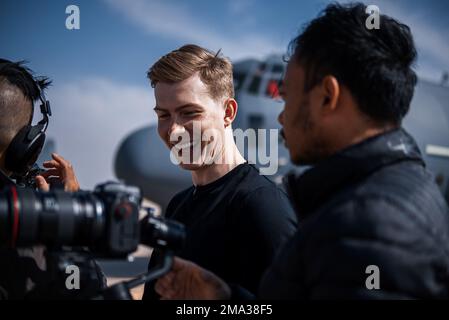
[(236, 219)]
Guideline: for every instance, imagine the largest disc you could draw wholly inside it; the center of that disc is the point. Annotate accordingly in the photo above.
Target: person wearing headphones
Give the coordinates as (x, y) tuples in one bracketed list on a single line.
[(21, 270)]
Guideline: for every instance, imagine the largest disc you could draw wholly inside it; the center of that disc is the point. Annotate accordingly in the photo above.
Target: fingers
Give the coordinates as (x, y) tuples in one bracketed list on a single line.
[(57, 162), (51, 164), (167, 280), (165, 286), (61, 168), (50, 172), (42, 184), (179, 264), (63, 162)]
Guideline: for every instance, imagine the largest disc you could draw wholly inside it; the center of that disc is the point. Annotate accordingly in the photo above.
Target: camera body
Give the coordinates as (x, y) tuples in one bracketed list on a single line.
[(105, 220), (121, 204)]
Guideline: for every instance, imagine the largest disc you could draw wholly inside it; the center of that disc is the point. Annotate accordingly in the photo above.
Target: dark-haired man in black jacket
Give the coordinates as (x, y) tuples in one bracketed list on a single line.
[(373, 224)]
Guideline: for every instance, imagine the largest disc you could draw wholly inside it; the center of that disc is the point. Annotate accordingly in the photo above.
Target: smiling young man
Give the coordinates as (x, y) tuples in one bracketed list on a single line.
[(235, 218)]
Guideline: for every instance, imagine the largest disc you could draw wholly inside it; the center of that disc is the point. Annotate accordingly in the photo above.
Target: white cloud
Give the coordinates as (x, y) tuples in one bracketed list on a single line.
[(91, 117), (240, 6), (176, 21), (179, 22)]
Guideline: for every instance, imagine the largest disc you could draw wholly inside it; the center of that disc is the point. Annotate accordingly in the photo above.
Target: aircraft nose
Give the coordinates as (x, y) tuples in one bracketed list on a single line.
[(280, 118), (139, 154), (143, 160)]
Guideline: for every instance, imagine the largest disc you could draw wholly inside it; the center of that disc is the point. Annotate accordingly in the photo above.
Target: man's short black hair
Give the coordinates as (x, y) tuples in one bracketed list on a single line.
[(18, 91), (375, 65), (20, 76)]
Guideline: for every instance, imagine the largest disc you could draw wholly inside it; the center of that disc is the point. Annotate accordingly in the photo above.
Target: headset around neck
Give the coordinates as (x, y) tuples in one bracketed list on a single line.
[(26, 146)]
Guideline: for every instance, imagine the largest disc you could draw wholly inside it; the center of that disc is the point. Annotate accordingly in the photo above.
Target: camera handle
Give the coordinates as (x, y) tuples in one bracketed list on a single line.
[(121, 291)]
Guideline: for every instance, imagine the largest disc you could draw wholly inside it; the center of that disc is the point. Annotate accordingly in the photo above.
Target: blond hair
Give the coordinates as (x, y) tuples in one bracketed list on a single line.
[(214, 71)]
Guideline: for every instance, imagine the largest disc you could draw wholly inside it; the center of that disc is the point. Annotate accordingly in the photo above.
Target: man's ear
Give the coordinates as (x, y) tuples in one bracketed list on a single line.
[(330, 93), (231, 107)]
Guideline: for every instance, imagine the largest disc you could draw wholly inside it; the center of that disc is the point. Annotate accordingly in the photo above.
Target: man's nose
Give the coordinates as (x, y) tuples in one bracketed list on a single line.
[(176, 128)]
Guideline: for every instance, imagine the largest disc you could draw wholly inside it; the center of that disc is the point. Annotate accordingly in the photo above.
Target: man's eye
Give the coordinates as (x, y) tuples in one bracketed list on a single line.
[(191, 113), (162, 116)]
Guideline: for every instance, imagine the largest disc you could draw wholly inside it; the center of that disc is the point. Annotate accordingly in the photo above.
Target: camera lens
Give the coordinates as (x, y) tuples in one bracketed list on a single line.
[(105, 220), (28, 217)]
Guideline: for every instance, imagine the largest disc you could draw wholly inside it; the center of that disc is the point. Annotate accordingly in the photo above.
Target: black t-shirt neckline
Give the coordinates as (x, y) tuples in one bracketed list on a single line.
[(212, 185)]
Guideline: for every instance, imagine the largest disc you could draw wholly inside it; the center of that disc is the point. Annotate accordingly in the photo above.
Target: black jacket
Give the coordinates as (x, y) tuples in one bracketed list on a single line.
[(372, 204)]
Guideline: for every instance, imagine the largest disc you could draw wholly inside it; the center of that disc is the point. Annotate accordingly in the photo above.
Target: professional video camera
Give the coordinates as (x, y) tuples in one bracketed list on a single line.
[(106, 221)]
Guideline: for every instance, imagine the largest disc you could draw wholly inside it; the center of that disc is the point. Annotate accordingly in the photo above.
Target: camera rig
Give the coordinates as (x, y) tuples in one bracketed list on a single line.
[(76, 227)]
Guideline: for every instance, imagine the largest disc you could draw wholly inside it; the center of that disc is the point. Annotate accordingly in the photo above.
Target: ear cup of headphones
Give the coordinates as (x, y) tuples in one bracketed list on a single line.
[(24, 149)]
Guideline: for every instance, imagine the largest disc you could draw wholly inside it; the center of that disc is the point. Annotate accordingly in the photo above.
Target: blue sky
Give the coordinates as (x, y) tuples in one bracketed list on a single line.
[(100, 92)]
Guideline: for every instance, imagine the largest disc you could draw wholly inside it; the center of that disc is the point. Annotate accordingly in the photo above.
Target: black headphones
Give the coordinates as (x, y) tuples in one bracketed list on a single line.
[(26, 146)]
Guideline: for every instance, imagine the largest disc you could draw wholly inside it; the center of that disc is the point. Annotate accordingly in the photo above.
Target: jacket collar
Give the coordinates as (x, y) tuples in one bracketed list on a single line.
[(313, 187)]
